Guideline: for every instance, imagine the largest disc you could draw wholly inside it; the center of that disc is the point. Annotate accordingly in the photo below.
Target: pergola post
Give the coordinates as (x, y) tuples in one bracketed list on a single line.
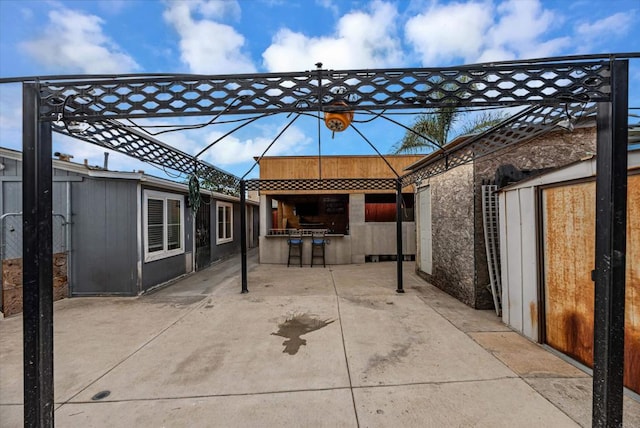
[(399, 255), (611, 237), (37, 259), (243, 234)]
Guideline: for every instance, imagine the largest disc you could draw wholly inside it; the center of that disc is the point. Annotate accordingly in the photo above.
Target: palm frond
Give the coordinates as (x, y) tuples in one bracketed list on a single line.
[(483, 122)]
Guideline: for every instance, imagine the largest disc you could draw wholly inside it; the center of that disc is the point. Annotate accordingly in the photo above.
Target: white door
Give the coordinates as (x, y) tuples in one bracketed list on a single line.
[(424, 229)]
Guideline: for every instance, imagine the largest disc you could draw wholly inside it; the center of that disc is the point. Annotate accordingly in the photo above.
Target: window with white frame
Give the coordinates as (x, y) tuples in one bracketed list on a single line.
[(224, 220), (163, 225)]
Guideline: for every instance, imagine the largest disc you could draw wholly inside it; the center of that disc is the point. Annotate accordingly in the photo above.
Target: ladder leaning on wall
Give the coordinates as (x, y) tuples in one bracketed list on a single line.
[(492, 242)]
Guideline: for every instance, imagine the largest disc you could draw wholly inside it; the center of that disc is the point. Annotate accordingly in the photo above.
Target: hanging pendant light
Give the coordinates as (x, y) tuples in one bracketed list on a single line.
[(340, 120)]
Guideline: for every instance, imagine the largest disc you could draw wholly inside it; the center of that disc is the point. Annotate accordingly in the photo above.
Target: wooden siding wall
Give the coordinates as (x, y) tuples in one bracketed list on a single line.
[(307, 167), (104, 238), (569, 254)]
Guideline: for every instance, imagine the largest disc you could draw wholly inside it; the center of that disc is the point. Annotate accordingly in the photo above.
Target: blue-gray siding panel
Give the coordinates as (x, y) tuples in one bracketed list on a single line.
[(225, 250), (12, 167), (11, 196), (163, 270), (104, 237), (11, 202)]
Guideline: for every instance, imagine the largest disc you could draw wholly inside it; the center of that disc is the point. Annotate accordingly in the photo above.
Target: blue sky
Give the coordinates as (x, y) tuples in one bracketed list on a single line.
[(221, 37)]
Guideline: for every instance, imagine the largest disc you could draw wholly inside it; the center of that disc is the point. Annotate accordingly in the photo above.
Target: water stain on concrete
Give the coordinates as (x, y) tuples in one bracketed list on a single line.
[(368, 303), (199, 364), (399, 351), (294, 327)]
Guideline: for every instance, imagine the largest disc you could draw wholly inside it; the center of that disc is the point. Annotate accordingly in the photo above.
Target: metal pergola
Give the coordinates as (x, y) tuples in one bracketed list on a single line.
[(549, 89)]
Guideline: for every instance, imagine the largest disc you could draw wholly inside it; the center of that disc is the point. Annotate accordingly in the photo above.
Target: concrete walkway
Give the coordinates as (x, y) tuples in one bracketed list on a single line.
[(334, 347)]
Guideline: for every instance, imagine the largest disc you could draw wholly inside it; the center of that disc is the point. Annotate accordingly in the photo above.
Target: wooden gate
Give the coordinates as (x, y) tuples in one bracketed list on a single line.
[(569, 254)]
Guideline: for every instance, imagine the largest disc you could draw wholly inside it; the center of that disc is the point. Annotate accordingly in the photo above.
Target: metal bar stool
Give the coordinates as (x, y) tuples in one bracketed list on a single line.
[(295, 247), (318, 242)]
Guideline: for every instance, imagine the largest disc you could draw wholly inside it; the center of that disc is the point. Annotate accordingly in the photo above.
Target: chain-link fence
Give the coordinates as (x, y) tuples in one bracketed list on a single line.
[(11, 247)]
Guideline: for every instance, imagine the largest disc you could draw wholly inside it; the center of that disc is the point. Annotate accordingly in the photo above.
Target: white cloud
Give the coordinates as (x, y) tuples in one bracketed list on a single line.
[(521, 30), (233, 150), (73, 41), (603, 30), (208, 46), (446, 31), (476, 31), (10, 108), (362, 39), (217, 9), (616, 24), (329, 5), (94, 155)]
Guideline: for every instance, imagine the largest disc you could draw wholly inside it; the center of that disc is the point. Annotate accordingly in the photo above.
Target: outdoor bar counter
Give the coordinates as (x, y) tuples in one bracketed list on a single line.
[(364, 239), (274, 248)]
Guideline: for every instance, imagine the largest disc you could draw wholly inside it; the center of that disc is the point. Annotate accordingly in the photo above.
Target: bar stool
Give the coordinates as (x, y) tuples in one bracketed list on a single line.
[(295, 247), (318, 242)]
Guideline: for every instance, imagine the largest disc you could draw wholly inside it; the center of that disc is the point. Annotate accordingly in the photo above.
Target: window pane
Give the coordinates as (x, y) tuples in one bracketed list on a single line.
[(173, 237), (155, 225), (220, 222), (228, 223), (173, 225)]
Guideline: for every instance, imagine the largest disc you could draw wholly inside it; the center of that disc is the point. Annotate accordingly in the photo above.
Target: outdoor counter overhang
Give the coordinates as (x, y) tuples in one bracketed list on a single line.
[(276, 249), (351, 235)]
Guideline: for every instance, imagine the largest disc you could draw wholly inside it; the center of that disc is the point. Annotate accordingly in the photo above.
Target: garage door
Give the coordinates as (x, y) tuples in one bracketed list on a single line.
[(569, 254)]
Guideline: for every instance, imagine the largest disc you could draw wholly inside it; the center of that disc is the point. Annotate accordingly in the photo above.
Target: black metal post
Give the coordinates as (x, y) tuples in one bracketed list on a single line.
[(611, 216), (243, 233), (37, 259), (399, 234)]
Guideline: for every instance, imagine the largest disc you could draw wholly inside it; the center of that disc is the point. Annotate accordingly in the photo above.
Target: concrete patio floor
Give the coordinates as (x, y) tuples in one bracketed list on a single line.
[(334, 347)]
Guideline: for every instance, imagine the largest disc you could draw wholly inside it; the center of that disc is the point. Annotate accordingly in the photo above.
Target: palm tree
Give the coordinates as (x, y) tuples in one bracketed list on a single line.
[(431, 130)]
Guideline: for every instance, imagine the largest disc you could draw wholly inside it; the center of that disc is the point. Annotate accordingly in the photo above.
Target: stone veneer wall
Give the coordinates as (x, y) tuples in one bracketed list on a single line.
[(12, 283), (549, 151), (452, 233)]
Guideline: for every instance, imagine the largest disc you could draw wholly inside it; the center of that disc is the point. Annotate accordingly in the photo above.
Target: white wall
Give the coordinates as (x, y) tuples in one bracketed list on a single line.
[(424, 255), (518, 255)]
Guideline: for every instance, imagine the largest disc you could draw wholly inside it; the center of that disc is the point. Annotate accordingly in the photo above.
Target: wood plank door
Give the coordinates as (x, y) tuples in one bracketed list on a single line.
[(569, 254)]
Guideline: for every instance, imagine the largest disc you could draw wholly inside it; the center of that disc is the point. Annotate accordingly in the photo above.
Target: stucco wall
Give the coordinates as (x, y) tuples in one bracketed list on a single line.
[(549, 151), (452, 233)]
